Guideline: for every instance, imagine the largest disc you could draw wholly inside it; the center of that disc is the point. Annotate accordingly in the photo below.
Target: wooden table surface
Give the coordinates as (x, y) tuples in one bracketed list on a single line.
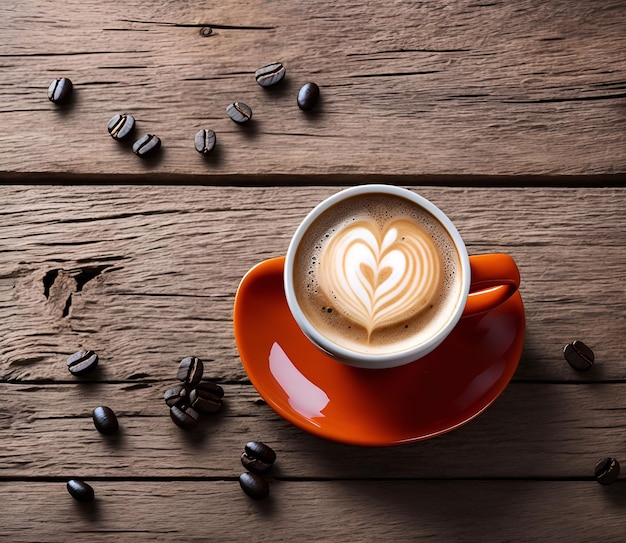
[(510, 116)]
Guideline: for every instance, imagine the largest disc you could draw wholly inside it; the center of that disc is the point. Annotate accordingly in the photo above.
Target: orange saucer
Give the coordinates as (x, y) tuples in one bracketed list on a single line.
[(436, 394)]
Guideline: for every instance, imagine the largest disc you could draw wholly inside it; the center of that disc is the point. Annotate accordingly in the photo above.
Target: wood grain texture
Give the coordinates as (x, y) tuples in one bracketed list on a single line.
[(449, 92), (533, 431), (401, 511), (147, 275), (457, 94)]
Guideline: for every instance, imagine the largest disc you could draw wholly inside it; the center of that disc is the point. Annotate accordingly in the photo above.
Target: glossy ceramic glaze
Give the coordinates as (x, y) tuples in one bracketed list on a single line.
[(374, 407)]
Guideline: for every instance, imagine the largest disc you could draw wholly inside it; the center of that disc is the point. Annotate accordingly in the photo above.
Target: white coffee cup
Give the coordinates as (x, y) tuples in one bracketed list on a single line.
[(377, 276)]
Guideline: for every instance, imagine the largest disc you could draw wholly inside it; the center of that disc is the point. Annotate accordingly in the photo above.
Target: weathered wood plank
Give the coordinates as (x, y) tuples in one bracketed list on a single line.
[(532, 431), (160, 267), (461, 511), (456, 89)]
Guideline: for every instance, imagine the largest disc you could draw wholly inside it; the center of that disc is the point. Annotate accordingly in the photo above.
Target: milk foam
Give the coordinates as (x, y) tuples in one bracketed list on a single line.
[(378, 274), (380, 277)]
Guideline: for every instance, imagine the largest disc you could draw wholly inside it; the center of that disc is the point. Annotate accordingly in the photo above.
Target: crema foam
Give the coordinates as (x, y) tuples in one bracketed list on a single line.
[(377, 274)]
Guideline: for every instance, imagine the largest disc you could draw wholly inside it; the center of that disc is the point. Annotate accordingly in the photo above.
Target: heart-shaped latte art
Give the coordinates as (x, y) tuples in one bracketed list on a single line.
[(378, 278)]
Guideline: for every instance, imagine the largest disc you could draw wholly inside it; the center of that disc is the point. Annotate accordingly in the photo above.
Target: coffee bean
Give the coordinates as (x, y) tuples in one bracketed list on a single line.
[(308, 95), (184, 416), (204, 141), (206, 397), (254, 464), (105, 420), (270, 74), (258, 457), (190, 370), (607, 471), (260, 450), (80, 490), (121, 125), (239, 112), (213, 388), (579, 356), (82, 362), (254, 485), (177, 395), (146, 145), (59, 90)]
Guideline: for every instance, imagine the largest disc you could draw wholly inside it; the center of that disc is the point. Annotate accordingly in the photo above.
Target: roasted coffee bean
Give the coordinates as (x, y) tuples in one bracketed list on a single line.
[(204, 141), (80, 490), (206, 397), (254, 485), (239, 112), (607, 471), (146, 146), (121, 125), (59, 90), (260, 451), (177, 395), (255, 465), (258, 457), (190, 370), (308, 95), (579, 356), (184, 416), (270, 74), (211, 387), (105, 420), (82, 362)]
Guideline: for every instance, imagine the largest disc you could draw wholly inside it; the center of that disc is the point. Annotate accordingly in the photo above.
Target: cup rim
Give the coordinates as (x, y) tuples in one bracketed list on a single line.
[(375, 360)]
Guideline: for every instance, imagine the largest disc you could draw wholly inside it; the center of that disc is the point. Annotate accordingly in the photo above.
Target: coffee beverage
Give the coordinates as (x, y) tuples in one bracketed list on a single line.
[(377, 273), (376, 276)]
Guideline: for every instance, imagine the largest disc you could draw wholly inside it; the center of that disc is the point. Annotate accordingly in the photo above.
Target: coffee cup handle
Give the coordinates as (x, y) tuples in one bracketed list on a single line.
[(495, 278)]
